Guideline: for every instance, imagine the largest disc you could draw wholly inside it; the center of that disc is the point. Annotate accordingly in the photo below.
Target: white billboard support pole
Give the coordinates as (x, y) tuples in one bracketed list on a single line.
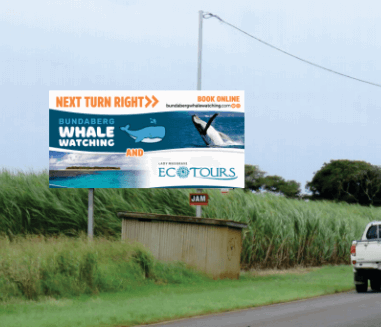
[(200, 17), (198, 208), (90, 213)]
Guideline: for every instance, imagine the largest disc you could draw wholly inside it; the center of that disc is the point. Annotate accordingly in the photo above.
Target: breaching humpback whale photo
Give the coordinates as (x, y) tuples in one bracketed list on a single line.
[(209, 134)]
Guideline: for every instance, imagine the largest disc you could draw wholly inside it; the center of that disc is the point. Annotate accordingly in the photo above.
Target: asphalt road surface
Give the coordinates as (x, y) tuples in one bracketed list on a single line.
[(339, 310)]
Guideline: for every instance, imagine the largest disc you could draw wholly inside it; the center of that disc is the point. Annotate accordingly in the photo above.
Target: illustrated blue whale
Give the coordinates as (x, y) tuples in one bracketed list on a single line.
[(151, 134)]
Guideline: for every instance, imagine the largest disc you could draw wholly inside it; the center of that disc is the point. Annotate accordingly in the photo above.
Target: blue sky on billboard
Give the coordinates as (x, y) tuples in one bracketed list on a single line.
[(297, 117)]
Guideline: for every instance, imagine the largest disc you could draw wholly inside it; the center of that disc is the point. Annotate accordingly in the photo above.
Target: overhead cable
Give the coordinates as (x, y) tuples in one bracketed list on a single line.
[(210, 15)]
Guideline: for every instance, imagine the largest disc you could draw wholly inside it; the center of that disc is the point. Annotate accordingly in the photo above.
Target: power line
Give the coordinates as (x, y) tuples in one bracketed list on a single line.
[(209, 15)]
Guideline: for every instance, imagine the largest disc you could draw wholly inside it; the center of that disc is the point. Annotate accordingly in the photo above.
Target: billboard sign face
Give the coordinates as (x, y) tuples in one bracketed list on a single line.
[(146, 139)]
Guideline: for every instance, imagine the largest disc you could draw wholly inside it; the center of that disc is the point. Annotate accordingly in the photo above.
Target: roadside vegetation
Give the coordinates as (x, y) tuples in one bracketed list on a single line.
[(281, 232), (148, 303), (284, 232), (36, 267), (52, 275)]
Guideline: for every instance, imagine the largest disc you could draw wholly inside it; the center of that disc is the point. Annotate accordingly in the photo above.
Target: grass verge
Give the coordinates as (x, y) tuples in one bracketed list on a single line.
[(153, 303)]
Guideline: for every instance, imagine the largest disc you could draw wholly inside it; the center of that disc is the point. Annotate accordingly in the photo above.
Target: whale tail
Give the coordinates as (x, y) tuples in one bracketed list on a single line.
[(209, 123), (125, 128), (211, 136)]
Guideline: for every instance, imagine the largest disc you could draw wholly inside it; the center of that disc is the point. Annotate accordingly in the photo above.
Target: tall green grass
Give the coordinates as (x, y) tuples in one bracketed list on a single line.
[(281, 232), (285, 232), (35, 266), (27, 205)]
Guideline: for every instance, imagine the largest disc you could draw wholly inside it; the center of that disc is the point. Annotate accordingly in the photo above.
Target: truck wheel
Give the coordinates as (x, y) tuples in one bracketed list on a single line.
[(375, 285), (362, 288)]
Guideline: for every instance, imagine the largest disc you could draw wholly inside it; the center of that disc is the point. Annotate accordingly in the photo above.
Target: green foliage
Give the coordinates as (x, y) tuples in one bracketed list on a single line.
[(27, 205), (39, 266), (281, 232), (36, 266), (349, 181), (255, 180), (278, 184), (151, 304), (285, 232), (145, 260), (176, 273)]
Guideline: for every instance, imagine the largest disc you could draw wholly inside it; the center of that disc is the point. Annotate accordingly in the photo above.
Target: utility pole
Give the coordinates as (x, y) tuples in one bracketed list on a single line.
[(90, 215), (200, 18)]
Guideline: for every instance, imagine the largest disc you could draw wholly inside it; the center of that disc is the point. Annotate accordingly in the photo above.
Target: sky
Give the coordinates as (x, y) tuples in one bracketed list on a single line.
[(297, 117)]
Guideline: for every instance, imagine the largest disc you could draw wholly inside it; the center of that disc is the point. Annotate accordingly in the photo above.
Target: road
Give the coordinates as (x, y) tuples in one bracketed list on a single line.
[(339, 310)]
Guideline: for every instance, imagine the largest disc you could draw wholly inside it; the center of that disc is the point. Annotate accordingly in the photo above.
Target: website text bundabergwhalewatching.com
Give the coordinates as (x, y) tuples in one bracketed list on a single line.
[(209, 105)]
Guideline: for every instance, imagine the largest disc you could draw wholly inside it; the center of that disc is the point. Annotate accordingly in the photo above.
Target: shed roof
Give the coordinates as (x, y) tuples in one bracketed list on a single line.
[(180, 219)]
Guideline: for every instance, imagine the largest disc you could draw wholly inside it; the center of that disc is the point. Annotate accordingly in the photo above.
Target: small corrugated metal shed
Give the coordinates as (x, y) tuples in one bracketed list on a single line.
[(210, 245)]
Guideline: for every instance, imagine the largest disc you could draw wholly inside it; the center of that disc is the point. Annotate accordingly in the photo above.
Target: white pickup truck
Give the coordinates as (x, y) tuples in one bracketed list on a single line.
[(366, 258)]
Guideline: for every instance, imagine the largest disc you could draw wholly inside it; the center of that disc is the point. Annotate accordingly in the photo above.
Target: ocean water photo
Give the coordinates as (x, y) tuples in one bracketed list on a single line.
[(97, 179), (230, 127)]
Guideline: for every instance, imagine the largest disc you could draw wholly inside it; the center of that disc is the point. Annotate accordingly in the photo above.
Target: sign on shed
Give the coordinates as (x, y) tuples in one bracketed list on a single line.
[(198, 199)]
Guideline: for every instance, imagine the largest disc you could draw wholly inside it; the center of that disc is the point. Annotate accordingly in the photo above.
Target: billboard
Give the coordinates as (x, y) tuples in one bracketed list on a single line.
[(146, 139)]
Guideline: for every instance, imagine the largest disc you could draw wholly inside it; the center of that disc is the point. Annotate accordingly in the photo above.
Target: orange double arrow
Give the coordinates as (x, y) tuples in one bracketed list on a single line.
[(149, 101)]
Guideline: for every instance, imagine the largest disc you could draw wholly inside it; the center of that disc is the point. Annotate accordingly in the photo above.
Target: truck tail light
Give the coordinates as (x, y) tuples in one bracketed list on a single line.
[(353, 250), (354, 262)]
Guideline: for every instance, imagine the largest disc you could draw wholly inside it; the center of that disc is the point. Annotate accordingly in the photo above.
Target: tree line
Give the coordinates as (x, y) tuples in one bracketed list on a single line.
[(339, 180)]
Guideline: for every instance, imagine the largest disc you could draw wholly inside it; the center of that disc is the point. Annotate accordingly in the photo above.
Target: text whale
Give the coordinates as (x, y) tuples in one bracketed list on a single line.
[(149, 134), (208, 133)]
